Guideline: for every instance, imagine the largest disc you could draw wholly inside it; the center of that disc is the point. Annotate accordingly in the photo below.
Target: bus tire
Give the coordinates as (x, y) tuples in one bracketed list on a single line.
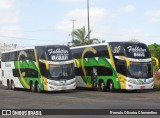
[(32, 87), (101, 86), (38, 89), (111, 86), (12, 85), (8, 85)]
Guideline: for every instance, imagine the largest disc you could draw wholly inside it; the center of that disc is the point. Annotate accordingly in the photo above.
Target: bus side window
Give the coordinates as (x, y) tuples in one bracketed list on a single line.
[(43, 69), (2, 73), (121, 67), (3, 58)]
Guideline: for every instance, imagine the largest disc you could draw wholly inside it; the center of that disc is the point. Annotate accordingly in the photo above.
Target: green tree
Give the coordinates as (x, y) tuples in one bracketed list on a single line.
[(80, 38), (155, 50)]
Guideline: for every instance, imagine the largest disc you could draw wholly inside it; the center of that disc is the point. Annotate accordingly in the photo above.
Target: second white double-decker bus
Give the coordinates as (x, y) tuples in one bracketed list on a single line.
[(133, 63)]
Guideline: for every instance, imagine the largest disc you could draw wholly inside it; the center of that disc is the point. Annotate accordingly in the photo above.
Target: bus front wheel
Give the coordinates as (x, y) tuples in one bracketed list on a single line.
[(101, 86)]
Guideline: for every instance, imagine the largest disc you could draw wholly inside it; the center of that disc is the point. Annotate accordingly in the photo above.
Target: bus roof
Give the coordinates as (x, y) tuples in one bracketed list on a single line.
[(126, 42), (18, 49), (88, 45), (33, 47)]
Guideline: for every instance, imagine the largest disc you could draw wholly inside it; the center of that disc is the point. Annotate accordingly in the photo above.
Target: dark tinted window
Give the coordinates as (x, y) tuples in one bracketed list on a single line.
[(101, 51), (101, 71), (41, 52), (54, 53), (58, 53), (13, 56), (120, 66), (3, 58), (138, 51), (117, 48), (30, 55)]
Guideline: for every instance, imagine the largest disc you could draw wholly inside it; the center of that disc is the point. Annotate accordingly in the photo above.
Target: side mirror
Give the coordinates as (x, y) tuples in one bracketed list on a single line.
[(76, 63), (156, 61)]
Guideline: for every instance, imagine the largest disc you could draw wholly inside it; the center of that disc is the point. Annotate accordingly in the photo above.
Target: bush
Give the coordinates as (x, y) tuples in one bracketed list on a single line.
[(157, 80), (157, 75)]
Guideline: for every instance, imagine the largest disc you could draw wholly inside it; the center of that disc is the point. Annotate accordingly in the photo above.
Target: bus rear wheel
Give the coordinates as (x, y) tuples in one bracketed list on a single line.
[(12, 85), (111, 86), (32, 87), (8, 84), (102, 86), (38, 88)]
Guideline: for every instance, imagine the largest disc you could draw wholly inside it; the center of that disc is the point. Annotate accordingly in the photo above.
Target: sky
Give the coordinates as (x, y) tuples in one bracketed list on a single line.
[(43, 22)]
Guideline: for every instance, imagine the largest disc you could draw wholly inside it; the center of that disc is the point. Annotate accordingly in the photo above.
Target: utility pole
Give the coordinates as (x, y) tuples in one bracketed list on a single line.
[(73, 29), (88, 20)]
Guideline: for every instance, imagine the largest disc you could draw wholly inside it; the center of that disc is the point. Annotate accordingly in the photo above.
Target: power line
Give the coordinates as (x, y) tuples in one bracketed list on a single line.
[(22, 38), (37, 30)]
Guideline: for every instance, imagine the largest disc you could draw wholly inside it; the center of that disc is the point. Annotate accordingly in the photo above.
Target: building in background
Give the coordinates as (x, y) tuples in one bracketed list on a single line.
[(6, 47)]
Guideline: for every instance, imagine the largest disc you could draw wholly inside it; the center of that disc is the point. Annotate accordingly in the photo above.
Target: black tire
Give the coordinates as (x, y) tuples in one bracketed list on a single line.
[(38, 90), (32, 87), (12, 85), (111, 86), (8, 85), (102, 86)]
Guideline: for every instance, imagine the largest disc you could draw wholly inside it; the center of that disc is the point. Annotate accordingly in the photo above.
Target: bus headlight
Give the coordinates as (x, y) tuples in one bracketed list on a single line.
[(52, 83), (132, 81), (151, 80)]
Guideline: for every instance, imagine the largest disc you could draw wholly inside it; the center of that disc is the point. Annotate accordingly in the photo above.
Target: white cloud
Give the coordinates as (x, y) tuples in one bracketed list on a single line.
[(70, 1), (80, 15), (10, 20), (10, 17), (126, 34), (6, 4), (128, 8), (153, 16), (10, 30)]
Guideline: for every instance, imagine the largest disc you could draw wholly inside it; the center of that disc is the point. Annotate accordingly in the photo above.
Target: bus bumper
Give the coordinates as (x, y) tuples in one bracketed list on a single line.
[(135, 84), (61, 85), (131, 86)]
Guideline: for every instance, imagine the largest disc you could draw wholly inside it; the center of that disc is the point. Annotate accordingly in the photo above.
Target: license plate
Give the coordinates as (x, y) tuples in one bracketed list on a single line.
[(142, 87), (63, 88)]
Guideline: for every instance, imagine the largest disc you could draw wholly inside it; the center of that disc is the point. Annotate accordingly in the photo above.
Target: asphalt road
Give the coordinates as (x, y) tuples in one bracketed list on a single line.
[(79, 99)]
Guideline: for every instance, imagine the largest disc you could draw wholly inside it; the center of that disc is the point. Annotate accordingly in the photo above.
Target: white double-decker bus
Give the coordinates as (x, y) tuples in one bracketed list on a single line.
[(114, 65), (39, 68), (133, 63)]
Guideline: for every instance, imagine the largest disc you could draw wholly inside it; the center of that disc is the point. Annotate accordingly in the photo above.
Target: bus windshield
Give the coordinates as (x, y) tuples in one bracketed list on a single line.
[(140, 70), (65, 71)]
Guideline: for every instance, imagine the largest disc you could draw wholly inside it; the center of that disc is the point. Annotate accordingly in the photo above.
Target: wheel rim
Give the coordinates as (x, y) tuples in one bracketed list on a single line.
[(8, 85), (32, 87), (111, 86), (101, 88), (38, 88), (12, 86)]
